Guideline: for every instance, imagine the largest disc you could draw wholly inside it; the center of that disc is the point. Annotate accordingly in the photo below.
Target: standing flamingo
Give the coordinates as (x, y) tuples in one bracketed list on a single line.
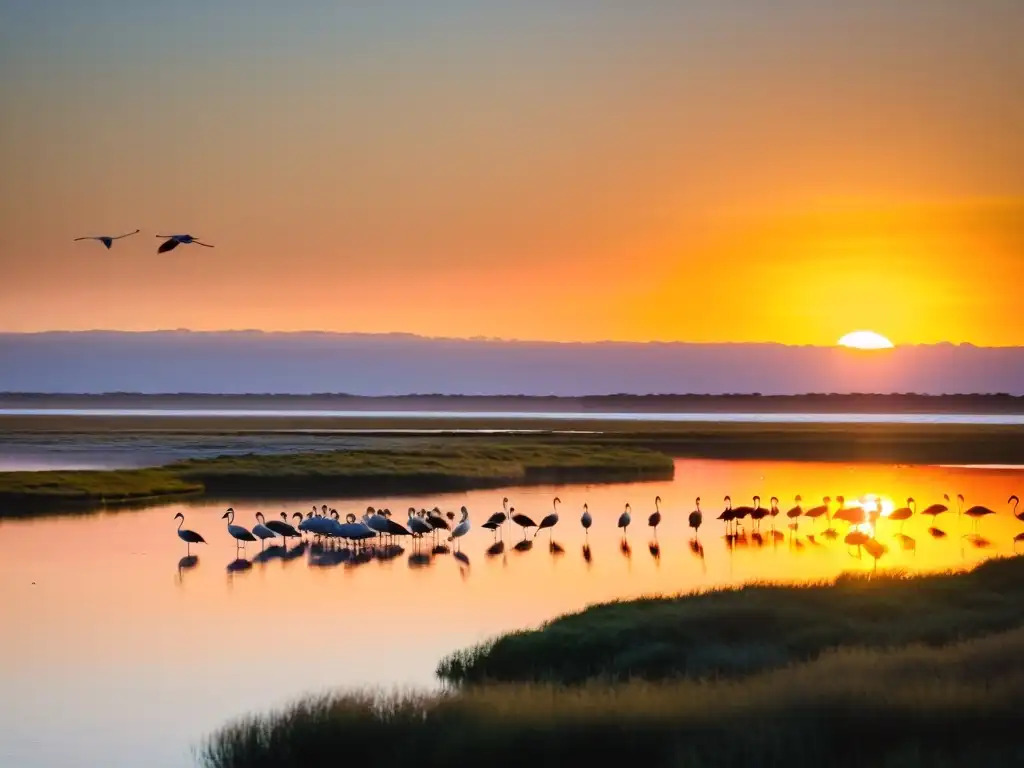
[(523, 521), (261, 530), (815, 512), (586, 520), (282, 528), (903, 514), (654, 520), (976, 513), (1014, 501), (189, 537), (625, 518), (461, 529), (727, 516), (934, 510), (794, 512), (549, 521), (240, 534), (696, 518)]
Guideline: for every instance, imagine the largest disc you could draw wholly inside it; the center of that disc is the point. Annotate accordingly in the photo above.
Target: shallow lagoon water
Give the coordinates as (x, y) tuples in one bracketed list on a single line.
[(112, 654)]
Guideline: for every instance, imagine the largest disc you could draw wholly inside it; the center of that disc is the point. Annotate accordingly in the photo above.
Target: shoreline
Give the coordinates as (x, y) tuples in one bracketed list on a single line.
[(639, 404)]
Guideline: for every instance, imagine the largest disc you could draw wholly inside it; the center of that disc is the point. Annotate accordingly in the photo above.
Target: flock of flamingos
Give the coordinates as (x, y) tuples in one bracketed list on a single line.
[(375, 527)]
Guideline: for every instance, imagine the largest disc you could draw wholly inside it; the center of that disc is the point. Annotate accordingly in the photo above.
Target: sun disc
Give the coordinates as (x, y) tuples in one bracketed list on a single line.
[(865, 340)]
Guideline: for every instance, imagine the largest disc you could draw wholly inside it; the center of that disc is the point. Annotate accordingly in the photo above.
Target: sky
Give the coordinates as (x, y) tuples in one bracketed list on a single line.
[(691, 171)]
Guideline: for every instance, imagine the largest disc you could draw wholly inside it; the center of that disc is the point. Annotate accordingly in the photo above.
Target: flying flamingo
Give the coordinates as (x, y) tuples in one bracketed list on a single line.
[(173, 241), (696, 518), (107, 240), (654, 520), (549, 521), (189, 537)]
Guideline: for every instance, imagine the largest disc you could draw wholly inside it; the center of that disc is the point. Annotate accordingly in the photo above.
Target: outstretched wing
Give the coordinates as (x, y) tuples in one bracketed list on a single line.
[(167, 245)]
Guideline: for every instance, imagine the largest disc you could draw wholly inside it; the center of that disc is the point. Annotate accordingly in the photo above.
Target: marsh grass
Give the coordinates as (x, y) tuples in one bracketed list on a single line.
[(912, 706), (29, 492), (426, 467), (740, 631)]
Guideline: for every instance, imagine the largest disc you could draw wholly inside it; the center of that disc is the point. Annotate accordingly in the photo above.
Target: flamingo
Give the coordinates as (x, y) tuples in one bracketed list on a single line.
[(396, 529), (740, 512), (727, 516), (173, 241), (976, 512), (497, 520), (903, 514), (815, 512), (774, 511), (934, 510), (550, 520), (696, 518), (261, 530), (189, 537), (586, 520), (417, 524), (758, 513), (1014, 501), (239, 533), (795, 512), (625, 519), (654, 520), (523, 521), (282, 528), (107, 240), (375, 521), (462, 528), (852, 515)]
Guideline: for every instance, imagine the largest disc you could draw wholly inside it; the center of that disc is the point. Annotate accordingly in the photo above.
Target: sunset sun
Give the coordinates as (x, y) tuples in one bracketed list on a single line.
[(865, 340)]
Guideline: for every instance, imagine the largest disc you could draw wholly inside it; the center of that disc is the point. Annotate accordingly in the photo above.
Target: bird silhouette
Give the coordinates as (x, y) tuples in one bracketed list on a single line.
[(173, 241), (189, 537), (654, 519), (696, 518), (107, 240)]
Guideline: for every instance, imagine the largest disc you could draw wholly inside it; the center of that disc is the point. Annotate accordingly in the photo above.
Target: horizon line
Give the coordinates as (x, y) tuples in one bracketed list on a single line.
[(490, 339)]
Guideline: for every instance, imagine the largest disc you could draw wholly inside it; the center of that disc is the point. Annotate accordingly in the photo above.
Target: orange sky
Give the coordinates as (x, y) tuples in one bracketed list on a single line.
[(701, 173)]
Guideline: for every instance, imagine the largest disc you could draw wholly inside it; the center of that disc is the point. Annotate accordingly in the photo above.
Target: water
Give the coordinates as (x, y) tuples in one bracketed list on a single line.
[(113, 655), (555, 416)]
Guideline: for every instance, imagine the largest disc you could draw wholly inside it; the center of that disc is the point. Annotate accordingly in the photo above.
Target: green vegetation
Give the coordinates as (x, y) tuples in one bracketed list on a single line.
[(23, 493), (735, 632), (914, 705), (442, 466)]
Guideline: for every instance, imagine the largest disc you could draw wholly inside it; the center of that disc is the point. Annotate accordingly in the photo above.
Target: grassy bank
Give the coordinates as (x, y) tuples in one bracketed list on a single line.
[(23, 493), (736, 632), (955, 705), (443, 466)]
